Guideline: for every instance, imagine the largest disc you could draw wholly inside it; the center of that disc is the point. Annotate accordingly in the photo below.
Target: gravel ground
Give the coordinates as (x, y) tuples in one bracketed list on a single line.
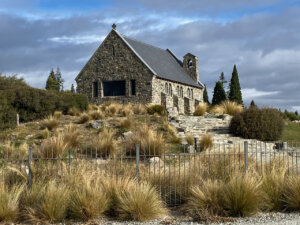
[(265, 219)]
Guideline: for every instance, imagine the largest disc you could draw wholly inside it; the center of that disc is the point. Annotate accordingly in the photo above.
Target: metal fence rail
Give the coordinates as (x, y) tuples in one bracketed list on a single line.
[(171, 173)]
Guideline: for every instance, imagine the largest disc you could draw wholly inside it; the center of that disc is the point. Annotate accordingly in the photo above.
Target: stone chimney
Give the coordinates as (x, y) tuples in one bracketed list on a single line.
[(190, 65)]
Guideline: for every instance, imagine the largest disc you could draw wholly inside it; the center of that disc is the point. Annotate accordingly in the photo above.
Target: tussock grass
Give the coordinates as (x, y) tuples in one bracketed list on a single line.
[(50, 123), (291, 193), (84, 118), (74, 111), (126, 110), (57, 114), (141, 203), (44, 134), (227, 107), (201, 109), (10, 151), (92, 107), (242, 195), (125, 123), (190, 139), (206, 142), (139, 109), (88, 199), (171, 132), (54, 147), (9, 202), (71, 136), (204, 202), (105, 143), (97, 115), (155, 109)]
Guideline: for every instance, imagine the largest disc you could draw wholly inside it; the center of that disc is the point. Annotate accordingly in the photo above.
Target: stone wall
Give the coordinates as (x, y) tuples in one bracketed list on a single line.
[(122, 65)]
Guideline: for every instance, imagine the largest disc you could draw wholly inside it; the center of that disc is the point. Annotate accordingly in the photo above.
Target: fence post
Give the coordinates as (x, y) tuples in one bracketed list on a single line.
[(18, 119), (246, 155), (137, 150), (195, 144), (29, 175)]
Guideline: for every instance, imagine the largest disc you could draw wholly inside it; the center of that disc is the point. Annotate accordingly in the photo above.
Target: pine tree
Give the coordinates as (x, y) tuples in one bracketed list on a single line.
[(72, 89), (297, 113), (222, 78), (59, 79), (51, 83), (205, 95), (252, 104), (219, 94), (235, 93)]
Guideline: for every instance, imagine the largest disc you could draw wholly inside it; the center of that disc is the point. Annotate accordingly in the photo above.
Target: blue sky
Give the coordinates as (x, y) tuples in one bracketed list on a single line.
[(261, 37)]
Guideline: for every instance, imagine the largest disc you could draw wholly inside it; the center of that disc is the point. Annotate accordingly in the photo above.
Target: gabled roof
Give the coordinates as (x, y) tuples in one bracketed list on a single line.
[(162, 63)]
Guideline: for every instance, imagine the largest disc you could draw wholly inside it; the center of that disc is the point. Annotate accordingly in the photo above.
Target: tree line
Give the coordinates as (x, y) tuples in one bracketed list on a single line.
[(55, 82)]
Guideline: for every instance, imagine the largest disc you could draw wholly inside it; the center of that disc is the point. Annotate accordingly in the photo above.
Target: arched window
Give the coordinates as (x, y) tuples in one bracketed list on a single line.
[(181, 92), (170, 89), (188, 93), (192, 94), (166, 88), (190, 64), (177, 89)]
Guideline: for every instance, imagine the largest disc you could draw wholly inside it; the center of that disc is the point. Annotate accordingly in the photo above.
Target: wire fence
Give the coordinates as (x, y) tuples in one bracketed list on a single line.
[(171, 173)]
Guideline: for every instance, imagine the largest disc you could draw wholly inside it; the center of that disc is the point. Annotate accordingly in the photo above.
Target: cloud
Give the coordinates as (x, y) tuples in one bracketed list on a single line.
[(252, 93), (77, 40)]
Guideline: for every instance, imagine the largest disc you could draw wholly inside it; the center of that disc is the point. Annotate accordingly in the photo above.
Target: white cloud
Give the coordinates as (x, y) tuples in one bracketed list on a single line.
[(250, 93), (77, 40)]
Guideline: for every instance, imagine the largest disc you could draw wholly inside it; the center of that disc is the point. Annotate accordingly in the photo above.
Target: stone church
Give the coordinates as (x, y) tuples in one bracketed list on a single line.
[(126, 70)]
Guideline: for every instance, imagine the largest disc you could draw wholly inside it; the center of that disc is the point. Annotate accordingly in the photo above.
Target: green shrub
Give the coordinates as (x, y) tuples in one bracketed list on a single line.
[(156, 109), (263, 124)]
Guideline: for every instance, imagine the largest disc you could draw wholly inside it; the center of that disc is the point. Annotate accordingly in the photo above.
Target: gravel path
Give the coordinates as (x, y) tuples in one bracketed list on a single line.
[(261, 219)]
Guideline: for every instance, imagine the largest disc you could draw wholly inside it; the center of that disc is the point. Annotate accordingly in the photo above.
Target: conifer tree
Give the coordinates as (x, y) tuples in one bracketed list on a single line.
[(205, 95), (51, 83), (72, 89), (222, 78), (59, 79), (296, 113), (252, 104), (219, 94), (235, 93)]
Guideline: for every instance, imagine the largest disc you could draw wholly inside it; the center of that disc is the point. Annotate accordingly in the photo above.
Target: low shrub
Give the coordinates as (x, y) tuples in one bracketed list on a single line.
[(156, 109), (189, 139), (291, 193), (97, 115), (57, 114), (241, 196), (139, 109), (141, 203), (206, 142), (201, 109), (55, 147), (9, 203), (50, 123), (84, 118), (74, 111), (262, 124), (125, 123)]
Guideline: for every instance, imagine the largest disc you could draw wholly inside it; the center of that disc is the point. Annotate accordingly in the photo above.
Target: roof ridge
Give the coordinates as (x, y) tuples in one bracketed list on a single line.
[(165, 50)]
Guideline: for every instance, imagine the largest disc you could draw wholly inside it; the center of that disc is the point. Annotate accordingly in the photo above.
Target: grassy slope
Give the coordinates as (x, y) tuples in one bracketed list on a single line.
[(292, 132)]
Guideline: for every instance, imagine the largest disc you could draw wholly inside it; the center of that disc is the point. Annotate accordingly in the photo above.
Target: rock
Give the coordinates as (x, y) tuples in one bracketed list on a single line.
[(172, 113), (180, 129), (126, 135), (155, 161), (97, 124), (28, 136)]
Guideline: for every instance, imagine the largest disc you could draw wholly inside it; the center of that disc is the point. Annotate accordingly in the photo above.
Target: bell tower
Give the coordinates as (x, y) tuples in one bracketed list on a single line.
[(190, 65)]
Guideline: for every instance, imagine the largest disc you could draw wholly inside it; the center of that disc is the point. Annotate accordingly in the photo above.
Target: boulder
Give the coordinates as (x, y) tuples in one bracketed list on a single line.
[(97, 124), (155, 161), (172, 113), (126, 135)]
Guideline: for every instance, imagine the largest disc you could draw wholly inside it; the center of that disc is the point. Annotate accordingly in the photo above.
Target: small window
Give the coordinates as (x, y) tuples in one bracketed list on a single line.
[(188, 93), (166, 88), (114, 88), (170, 89), (190, 64), (95, 89), (181, 92), (192, 94), (177, 89), (133, 88)]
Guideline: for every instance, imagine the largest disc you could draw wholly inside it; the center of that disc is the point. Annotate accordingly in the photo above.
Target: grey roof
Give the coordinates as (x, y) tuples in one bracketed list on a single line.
[(161, 62)]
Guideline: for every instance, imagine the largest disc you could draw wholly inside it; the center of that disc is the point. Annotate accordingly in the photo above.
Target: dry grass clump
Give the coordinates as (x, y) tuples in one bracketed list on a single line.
[(227, 107), (291, 193), (84, 118), (71, 136), (57, 114), (50, 123), (88, 199), (112, 108), (206, 142), (10, 151), (74, 111), (92, 107), (201, 109), (97, 115), (125, 123), (44, 134), (155, 109), (141, 203), (55, 147), (171, 132), (105, 143), (190, 139), (242, 195), (139, 109), (151, 142), (204, 201), (9, 203), (126, 110)]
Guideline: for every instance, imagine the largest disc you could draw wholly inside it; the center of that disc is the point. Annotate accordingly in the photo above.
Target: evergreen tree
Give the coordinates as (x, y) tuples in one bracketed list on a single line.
[(59, 79), (219, 94), (51, 83), (297, 113), (235, 93), (222, 79), (252, 104), (72, 89), (205, 95)]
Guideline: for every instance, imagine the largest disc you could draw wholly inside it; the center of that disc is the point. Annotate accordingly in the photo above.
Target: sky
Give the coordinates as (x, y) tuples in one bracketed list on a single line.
[(261, 37)]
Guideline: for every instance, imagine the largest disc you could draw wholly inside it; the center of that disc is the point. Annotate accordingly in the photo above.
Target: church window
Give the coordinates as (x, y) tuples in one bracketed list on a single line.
[(181, 92), (114, 88), (133, 87), (170, 89), (95, 89), (192, 94), (166, 88)]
